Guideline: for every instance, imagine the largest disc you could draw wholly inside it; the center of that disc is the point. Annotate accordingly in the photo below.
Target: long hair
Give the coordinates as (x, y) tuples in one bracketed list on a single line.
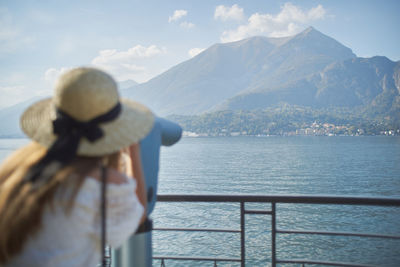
[(21, 208)]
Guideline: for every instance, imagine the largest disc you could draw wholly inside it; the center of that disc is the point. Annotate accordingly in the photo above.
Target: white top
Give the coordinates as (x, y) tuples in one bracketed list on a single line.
[(74, 239)]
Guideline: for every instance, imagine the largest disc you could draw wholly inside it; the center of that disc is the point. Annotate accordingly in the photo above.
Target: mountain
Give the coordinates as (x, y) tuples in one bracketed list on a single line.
[(9, 118), (223, 71), (126, 84), (372, 83)]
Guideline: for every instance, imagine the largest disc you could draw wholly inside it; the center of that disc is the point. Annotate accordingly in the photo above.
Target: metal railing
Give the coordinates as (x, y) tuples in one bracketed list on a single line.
[(274, 200)]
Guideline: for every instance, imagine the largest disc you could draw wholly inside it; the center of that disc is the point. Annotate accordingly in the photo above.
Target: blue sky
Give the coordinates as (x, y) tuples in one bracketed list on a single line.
[(140, 39)]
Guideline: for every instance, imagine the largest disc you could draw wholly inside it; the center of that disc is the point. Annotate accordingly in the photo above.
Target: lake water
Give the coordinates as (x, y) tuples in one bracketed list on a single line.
[(339, 165)]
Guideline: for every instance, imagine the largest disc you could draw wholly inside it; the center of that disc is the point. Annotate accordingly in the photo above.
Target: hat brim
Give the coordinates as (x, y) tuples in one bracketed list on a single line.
[(134, 122)]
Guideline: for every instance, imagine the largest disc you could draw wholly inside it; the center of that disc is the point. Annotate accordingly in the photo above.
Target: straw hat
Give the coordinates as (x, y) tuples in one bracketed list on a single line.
[(84, 94)]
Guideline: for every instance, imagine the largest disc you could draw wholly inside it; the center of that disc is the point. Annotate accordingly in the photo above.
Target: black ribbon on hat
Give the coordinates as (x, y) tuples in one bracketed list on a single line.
[(69, 132)]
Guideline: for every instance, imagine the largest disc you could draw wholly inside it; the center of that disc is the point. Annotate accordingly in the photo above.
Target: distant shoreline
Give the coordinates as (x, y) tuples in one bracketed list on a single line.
[(200, 135), (13, 137), (278, 135)]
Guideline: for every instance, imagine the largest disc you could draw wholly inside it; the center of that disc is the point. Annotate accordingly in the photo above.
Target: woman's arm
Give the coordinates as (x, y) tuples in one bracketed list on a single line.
[(136, 163)]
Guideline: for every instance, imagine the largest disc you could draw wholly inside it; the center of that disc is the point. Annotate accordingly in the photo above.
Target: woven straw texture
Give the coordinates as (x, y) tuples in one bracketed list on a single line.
[(84, 94)]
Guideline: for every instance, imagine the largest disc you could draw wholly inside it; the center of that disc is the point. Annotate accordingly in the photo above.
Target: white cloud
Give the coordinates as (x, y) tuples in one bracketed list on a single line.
[(187, 25), (15, 89), (195, 51), (228, 13), (125, 65), (288, 22), (51, 75), (11, 95), (317, 12), (11, 37), (178, 14), (41, 16), (136, 52), (7, 32)]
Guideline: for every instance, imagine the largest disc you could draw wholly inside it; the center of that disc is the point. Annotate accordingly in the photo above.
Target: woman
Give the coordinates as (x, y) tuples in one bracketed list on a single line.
[(55, 207)]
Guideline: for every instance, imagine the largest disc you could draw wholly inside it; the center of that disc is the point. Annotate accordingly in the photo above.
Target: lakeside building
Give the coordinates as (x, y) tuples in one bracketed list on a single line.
[(313, 129)]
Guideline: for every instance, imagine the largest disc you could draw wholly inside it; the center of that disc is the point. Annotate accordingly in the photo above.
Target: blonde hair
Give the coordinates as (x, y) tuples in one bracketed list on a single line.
[(21, 208)]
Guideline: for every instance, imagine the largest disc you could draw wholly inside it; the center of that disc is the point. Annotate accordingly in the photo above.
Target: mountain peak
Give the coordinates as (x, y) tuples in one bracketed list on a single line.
[(309, 29), (225, 70), (127, 84), (318, 43)]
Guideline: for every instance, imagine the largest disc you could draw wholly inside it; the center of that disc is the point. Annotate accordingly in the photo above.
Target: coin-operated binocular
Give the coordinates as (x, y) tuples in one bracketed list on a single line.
[(137, 251), (164, 133)]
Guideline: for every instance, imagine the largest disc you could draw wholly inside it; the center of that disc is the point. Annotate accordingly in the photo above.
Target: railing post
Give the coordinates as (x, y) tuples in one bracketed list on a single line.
[(273, 234), (242, 235)]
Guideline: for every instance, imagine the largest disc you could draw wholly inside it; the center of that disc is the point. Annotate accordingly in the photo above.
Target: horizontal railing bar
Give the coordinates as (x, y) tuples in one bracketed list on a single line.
[(282, 231), (184, 258), (330, 263), (263, 212), (198, 230), (295, 199), (275, 199)]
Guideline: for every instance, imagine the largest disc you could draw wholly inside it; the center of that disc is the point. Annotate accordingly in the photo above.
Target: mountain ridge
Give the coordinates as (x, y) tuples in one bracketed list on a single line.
[(228, 69), (349, 83)]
